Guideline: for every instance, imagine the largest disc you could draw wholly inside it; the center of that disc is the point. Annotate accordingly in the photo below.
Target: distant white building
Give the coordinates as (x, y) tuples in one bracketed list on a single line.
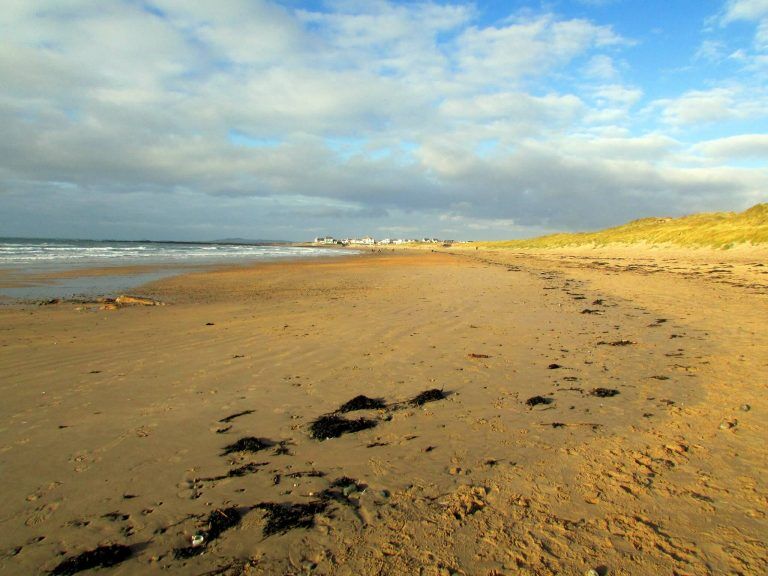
[(325, 240), (367, 240)]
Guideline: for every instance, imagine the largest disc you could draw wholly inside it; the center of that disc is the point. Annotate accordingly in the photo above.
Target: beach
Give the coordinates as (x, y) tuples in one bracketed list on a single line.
[(543, 412)]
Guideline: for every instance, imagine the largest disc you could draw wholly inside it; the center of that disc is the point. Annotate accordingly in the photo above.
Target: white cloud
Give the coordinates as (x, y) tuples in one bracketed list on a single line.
[(744, 146), (761, 36), (697, 106), (616, 94), (546, 187), (711, 51), (751, 11), (530, 47), (244, 32), (711, 106), (601, 67), (611, 104), (745, 10), (647, 148), (511, 115)]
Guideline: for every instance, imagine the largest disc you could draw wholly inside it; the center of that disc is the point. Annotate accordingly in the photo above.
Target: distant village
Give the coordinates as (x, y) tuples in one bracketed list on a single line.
[(370, 241)]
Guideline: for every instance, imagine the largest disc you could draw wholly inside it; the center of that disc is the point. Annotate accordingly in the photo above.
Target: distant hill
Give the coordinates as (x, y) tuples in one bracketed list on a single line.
[(249, 242), (712, 229)]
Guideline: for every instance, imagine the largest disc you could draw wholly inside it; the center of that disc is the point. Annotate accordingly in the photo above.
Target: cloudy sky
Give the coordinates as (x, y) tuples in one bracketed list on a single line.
[(194, 119)]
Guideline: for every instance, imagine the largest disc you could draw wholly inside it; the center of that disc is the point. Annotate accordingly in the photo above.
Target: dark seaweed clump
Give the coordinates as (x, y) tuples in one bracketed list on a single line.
[(617, 343), (187, 552), (248, 444), (342, 487), (428, 396), (236, 415), (219, 520), (282, 449), (101, 557), (250, 468), (333, 426), (307, 474), (362, 403), (536, 400), (604, 392), (280, 518)]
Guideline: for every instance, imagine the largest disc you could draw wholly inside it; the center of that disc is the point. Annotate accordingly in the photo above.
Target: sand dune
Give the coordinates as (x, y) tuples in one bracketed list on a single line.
[(715, 230)]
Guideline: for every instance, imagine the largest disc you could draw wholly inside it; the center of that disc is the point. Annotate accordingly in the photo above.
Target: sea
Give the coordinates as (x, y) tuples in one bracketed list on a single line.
[(26, 264)]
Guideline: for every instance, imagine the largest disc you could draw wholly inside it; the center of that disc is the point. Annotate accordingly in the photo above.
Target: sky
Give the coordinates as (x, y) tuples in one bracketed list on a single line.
[(200, 120)]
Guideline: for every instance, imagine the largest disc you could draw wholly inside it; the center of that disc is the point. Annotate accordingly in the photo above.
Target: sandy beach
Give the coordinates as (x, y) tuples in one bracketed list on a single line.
[(585, 410)]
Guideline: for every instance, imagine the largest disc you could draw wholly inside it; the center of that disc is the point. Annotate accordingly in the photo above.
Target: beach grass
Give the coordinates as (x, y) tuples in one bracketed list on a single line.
[(714, 230)]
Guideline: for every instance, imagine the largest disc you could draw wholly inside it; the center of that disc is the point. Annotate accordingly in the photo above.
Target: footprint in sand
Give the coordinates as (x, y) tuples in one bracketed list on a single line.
[(42, 491), (42, 513)]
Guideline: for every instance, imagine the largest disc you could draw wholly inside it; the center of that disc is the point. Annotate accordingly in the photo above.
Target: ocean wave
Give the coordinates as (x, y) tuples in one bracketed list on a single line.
[(16, 253)]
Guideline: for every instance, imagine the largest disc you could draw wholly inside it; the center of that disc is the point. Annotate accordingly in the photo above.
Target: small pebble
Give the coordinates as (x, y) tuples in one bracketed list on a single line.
[(746, 407), (728, 424), (591, 572)]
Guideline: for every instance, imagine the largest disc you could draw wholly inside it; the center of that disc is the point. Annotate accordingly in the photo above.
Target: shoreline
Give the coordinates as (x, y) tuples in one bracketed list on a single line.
[(18, 285), (567, 439)]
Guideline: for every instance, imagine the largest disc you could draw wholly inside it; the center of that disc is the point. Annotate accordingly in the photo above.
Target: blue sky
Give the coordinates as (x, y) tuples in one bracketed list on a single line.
[(184, 119)]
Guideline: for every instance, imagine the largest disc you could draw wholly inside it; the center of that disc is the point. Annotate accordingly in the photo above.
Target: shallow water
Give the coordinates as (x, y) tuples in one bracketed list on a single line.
[(86, 286), (27, 262)]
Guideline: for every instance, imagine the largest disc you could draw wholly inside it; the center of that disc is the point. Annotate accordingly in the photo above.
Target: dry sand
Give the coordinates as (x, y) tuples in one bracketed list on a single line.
[(112, 420)]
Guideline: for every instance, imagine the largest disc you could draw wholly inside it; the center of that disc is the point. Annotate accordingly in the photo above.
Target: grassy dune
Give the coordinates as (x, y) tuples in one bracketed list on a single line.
[(715, 230)]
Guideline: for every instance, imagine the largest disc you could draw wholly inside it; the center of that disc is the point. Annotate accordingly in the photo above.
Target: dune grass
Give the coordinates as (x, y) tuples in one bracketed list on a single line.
[(715, 230)]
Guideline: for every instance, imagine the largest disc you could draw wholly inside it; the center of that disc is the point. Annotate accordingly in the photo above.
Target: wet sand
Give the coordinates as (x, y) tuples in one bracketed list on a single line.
[(83, 283), (605, 416)]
